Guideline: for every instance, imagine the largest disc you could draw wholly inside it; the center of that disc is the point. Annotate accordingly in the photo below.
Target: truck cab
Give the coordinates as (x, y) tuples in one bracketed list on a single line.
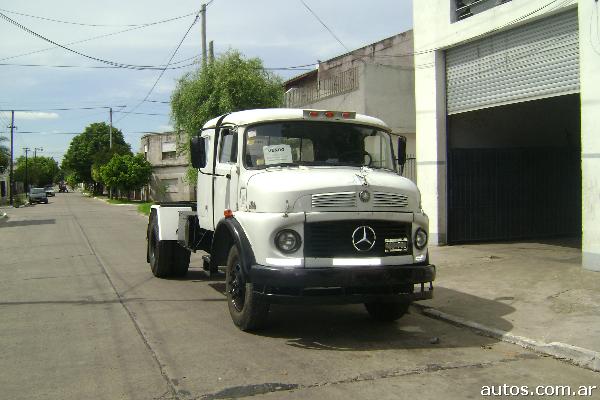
[(299, 206)]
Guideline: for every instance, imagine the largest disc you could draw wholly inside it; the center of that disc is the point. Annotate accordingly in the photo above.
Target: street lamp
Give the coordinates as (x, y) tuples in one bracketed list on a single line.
[(35, 150)]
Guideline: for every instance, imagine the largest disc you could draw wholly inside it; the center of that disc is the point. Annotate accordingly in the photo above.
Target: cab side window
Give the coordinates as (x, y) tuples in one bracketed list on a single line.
[(228, 150)]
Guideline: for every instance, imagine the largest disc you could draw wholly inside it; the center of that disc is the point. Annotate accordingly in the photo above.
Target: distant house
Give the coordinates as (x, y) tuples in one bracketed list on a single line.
[(376, 80), (4, 186), (169, 167)]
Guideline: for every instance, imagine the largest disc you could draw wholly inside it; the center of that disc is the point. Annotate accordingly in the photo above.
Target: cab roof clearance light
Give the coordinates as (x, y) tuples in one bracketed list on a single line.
[(316, 114)]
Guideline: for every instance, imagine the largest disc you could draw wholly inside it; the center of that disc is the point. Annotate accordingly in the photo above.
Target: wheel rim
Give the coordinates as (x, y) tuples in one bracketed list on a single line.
[(237, 288)]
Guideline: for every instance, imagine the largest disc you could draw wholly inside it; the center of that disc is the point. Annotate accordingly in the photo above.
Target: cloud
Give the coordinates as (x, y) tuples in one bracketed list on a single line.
[(31, 115)]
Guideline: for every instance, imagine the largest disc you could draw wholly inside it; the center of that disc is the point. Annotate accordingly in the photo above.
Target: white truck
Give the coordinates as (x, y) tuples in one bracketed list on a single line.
[(299, 206)]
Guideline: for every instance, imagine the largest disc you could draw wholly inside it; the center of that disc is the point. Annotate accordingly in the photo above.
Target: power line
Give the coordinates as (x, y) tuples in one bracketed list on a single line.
[(61, 109), (145, 68), (164, 69), (142, 113), (98, 37), (76, 23), (113, 63), (324, 25)]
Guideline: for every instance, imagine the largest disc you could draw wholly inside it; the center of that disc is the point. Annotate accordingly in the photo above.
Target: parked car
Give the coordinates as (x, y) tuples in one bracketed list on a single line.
[(49, 191), (38, 195)]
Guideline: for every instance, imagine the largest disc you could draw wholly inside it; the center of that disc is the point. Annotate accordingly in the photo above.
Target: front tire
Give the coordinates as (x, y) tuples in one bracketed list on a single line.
[(248, 311), (387, 312)]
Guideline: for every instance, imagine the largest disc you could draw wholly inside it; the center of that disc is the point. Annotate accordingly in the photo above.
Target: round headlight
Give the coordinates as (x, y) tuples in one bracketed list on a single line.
[(287, 241), (420, 239)]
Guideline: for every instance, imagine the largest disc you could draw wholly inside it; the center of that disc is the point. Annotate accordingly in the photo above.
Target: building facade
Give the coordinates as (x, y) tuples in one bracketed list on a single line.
[(376, 80), (507, 101), (169, 166), (4, 187)]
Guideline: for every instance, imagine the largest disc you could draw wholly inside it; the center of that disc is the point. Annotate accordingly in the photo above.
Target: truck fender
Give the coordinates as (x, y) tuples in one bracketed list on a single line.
[(228, 232)]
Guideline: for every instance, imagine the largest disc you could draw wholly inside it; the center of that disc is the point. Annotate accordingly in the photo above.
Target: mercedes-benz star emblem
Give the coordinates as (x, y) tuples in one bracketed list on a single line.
[(363, 238), (364, 196)]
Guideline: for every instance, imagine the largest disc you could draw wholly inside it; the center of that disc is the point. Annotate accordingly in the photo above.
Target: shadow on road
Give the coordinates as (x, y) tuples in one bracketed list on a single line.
[(349, 328), (29, 222)]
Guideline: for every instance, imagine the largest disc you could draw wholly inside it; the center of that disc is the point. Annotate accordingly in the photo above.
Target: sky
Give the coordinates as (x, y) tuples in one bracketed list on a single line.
[(282, 33)]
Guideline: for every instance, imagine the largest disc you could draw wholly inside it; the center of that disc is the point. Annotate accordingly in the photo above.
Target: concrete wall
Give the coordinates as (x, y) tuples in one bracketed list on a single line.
[(589, 51), (166, 172), (386, 88), (434, 32)]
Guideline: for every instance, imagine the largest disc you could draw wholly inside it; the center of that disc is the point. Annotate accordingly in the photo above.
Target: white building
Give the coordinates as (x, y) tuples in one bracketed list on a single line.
[(508, 110)]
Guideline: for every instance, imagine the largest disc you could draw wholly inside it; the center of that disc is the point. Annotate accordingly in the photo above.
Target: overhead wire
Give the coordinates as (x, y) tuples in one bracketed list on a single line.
[(324, 25), (97, 37), (80, 23), (165, 68), (56, 44)]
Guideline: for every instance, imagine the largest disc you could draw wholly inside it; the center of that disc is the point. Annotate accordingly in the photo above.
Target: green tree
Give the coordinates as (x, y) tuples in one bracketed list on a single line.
[(92, 147), (126, 172), (4, 154), (41, 171), (230, 83)]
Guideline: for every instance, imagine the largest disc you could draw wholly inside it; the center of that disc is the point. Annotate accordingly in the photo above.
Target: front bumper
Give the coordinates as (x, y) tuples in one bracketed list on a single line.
[(346, 285)]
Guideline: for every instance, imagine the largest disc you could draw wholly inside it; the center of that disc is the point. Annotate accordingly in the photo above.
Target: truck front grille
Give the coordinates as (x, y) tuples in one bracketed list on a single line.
[(331, 239), (381, 199), (329, 200)]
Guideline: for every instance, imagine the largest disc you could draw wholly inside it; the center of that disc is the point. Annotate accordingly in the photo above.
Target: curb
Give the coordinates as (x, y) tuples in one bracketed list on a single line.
[(579, 356)]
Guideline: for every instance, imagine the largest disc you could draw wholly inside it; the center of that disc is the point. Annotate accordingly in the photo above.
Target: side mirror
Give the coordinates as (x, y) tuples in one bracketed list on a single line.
[(401, 151), (198, 152)]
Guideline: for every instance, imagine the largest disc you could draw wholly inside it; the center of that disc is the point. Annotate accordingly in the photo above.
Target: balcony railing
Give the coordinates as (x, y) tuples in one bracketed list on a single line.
[(468, 8), (343, 82)]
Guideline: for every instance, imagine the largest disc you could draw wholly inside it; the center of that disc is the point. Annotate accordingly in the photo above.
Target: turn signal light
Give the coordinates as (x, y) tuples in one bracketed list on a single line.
[(329, 114), (314, 114), (346, 115), (228, 213)]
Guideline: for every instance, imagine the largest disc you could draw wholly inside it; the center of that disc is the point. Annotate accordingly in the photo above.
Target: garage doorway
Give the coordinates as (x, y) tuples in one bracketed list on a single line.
[(514, 171)]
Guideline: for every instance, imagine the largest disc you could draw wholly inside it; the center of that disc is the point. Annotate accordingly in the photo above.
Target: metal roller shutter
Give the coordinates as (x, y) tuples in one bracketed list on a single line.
[(534, 61)]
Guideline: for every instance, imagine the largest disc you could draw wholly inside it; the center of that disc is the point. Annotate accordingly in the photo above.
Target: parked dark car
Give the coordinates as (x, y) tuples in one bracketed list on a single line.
[(37, 195)]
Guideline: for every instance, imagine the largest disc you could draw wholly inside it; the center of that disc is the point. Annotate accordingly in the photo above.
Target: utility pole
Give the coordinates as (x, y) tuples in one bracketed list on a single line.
[(110, 126), (10, 177), (35, 150), (211, 52), (27, 150), (203, 13)]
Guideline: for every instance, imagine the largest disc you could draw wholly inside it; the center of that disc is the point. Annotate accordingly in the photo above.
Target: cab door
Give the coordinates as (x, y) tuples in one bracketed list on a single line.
[(226, 174), (205, 181)]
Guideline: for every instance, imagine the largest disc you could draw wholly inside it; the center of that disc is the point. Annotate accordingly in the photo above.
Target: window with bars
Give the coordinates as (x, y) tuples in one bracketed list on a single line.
[(468, 8)]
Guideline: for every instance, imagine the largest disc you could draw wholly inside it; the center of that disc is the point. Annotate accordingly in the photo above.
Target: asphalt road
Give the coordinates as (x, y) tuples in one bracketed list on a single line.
[(82, 317)]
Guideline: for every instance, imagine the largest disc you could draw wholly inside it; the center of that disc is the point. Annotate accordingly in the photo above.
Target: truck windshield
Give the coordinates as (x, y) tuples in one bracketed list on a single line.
[(317, 143)]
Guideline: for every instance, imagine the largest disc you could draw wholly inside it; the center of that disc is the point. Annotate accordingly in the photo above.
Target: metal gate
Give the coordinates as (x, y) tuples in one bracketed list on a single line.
[(534, 61), (513, 193)]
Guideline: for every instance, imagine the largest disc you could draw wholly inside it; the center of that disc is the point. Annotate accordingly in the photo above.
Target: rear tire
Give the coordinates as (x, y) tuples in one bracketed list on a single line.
[(167, 259), (248, 311), (387, 312)]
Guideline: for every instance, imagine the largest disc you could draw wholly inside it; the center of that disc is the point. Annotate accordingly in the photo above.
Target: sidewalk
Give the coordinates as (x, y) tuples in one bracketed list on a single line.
[(530, 289)]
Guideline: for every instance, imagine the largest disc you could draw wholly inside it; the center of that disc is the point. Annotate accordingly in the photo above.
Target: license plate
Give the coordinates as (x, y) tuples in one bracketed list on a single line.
[(396, 245)]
